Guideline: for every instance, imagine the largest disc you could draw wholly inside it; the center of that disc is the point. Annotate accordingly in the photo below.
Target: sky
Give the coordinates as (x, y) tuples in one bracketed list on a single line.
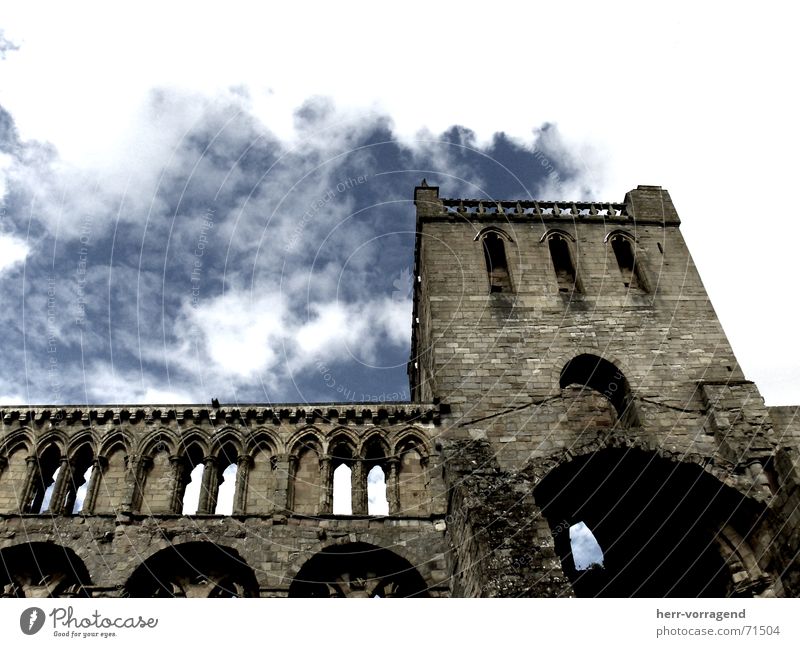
[(214, 200)]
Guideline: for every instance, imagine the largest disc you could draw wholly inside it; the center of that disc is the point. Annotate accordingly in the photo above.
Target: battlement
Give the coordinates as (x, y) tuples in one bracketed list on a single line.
[(645, 204)]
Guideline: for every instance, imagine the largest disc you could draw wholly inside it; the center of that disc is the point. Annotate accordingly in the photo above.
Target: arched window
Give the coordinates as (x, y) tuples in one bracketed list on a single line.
[(561, 256), (413, 497), (377, 502), (80, 475), (224, 489), (342, 489), (602, 376), (346, 488), (306, 480), (111, 485), (261, 479), (624, 251), (12, 479), (376, 469), (159, 481), (45, 478), (494, 252)]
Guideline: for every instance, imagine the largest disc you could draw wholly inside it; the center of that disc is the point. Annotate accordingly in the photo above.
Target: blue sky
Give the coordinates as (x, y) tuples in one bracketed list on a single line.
[(210, 212)]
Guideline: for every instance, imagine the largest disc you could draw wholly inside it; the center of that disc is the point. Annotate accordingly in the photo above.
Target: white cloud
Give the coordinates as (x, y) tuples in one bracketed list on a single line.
[(694, 99), (12, 251)]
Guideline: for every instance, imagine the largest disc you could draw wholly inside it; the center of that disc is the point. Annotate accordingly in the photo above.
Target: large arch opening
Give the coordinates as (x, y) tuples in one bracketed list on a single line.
[(42, 570), (659, 526), (193, 570), (357, 570)]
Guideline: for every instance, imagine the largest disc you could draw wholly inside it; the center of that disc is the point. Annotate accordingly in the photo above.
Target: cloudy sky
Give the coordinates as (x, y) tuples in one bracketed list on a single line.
[(215, 201)]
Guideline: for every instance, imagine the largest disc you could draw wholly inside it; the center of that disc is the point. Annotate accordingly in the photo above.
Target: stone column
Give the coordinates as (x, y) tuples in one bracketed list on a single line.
[(178, 466), (208, 489), (58, 501), (134, 468), (31, 476), (290, 462), (3, 464), (242, 474), (326, 485), (99, 466), (392, 486), (359, 488)]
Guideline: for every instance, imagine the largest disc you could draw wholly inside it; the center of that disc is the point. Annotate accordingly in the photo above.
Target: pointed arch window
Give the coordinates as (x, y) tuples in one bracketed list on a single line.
[(624, 247), (558, 243), (494, 252)]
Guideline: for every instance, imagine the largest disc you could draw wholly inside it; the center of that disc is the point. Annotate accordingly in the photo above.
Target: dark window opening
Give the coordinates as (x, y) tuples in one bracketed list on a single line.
[(605, 378), (626, 259), (562, 263), (496, 264)]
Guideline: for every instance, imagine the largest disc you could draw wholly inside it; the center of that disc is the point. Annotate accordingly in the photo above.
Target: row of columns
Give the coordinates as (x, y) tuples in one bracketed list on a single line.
[(358, 487), (137, 466)]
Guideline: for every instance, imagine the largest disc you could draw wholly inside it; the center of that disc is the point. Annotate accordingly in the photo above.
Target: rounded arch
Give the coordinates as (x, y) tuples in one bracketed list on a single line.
[(193, 569), (492, 229), (357, 569), (604, 377), (42, 569), (659, 523)]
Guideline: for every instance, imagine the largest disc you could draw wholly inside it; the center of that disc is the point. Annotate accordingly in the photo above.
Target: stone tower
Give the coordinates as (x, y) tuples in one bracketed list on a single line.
[(589, 380), (569, 379)]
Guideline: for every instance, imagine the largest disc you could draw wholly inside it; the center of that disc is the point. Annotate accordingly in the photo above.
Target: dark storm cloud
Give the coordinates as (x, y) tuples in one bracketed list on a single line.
[(220, 261)]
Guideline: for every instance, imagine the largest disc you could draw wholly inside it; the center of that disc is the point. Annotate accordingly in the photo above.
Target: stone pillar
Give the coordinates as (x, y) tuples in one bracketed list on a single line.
[(134, 468), (178, 465), (99, 466), (31, 476), (242, 473), (393, 486), (359, 488), (58, 501), (290, 463), (208, 489), (326, 485)]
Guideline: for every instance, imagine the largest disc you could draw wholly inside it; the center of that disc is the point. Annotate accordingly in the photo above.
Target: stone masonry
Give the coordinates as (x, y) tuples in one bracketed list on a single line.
[(567, 368)]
